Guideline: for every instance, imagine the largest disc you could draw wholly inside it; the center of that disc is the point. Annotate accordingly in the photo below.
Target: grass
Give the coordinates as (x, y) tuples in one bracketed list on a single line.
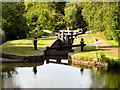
[(101, 35), (25, 46), (92, 55), (90, 51), (87, 39)]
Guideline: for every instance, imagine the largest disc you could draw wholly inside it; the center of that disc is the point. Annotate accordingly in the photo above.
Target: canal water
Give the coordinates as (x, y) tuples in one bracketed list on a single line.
[(54, 74)]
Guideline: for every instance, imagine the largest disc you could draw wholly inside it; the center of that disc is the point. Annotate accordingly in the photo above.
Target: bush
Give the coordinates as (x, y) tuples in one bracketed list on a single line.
[(39, 33), (103, 58)]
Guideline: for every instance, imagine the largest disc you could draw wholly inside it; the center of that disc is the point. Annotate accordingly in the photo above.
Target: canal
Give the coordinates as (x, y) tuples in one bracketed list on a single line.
[(54, 74)]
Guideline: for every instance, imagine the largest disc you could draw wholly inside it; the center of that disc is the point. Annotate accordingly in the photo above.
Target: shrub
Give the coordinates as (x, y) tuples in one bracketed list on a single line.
[(105, 59)]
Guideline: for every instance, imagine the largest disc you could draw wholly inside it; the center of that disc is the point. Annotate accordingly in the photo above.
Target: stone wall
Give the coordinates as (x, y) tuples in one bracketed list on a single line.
[(90, 63), (21, 58)]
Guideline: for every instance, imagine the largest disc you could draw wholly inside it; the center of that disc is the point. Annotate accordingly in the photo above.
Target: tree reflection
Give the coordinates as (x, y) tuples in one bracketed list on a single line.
[(104, 79), (97, 79), (8, 70), (7, 73), (112, 80)]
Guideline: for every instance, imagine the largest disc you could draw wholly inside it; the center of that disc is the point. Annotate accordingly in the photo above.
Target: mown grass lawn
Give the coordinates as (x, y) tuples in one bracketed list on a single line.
[(25, 46)]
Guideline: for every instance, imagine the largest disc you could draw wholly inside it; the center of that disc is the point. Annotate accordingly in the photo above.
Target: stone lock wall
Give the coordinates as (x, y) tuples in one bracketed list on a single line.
[(21, 58)]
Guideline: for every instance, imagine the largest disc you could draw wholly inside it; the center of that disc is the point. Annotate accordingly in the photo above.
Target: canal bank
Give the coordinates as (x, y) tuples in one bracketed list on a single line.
[(57, 51), (93, 62), (12, 58)]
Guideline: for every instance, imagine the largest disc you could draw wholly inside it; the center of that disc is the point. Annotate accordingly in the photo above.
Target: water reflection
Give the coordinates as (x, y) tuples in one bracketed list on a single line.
[(112, 80), (104, 79), (8, 76), (35, 70), (81, 70), (9, 70), (60, 74)]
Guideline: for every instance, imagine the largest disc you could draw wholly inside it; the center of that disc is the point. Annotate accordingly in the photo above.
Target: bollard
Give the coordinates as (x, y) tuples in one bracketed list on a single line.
[(47, 48), (82, 44), (35, 43), (47, 61)]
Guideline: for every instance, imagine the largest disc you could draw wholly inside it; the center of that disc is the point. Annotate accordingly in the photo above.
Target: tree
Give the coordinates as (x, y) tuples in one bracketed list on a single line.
[(110, 20), (59, 7), (102, 17), (57, 15), (13, 22), (73, 16), (44, 15), (38, 17)]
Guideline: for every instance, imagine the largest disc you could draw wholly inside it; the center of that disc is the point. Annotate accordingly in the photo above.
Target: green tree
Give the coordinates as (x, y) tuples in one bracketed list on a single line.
[(13, 22), (102, 17), (58, 15), (110, 20), (44, 15), (73, 16), (38, 17), (59, 7)]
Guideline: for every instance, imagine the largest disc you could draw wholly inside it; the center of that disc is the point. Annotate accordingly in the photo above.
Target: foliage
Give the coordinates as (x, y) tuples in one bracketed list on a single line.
[(13, 21), (57, 15), (38, 17), (59, 6), (96, 16), (44, 15), (102, 17), (58, 20), (103, 58), (6, 68), (38, 34), (73, 16)]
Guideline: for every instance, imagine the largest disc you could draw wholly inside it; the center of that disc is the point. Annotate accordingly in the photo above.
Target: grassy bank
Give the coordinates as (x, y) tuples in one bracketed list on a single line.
[(90, 52), (25, 46)]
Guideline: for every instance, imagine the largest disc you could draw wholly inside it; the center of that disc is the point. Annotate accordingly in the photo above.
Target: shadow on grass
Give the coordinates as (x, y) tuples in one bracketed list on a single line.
[(23, 50), (27, 44), (116, 46), (96, 50), (90, 49)]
